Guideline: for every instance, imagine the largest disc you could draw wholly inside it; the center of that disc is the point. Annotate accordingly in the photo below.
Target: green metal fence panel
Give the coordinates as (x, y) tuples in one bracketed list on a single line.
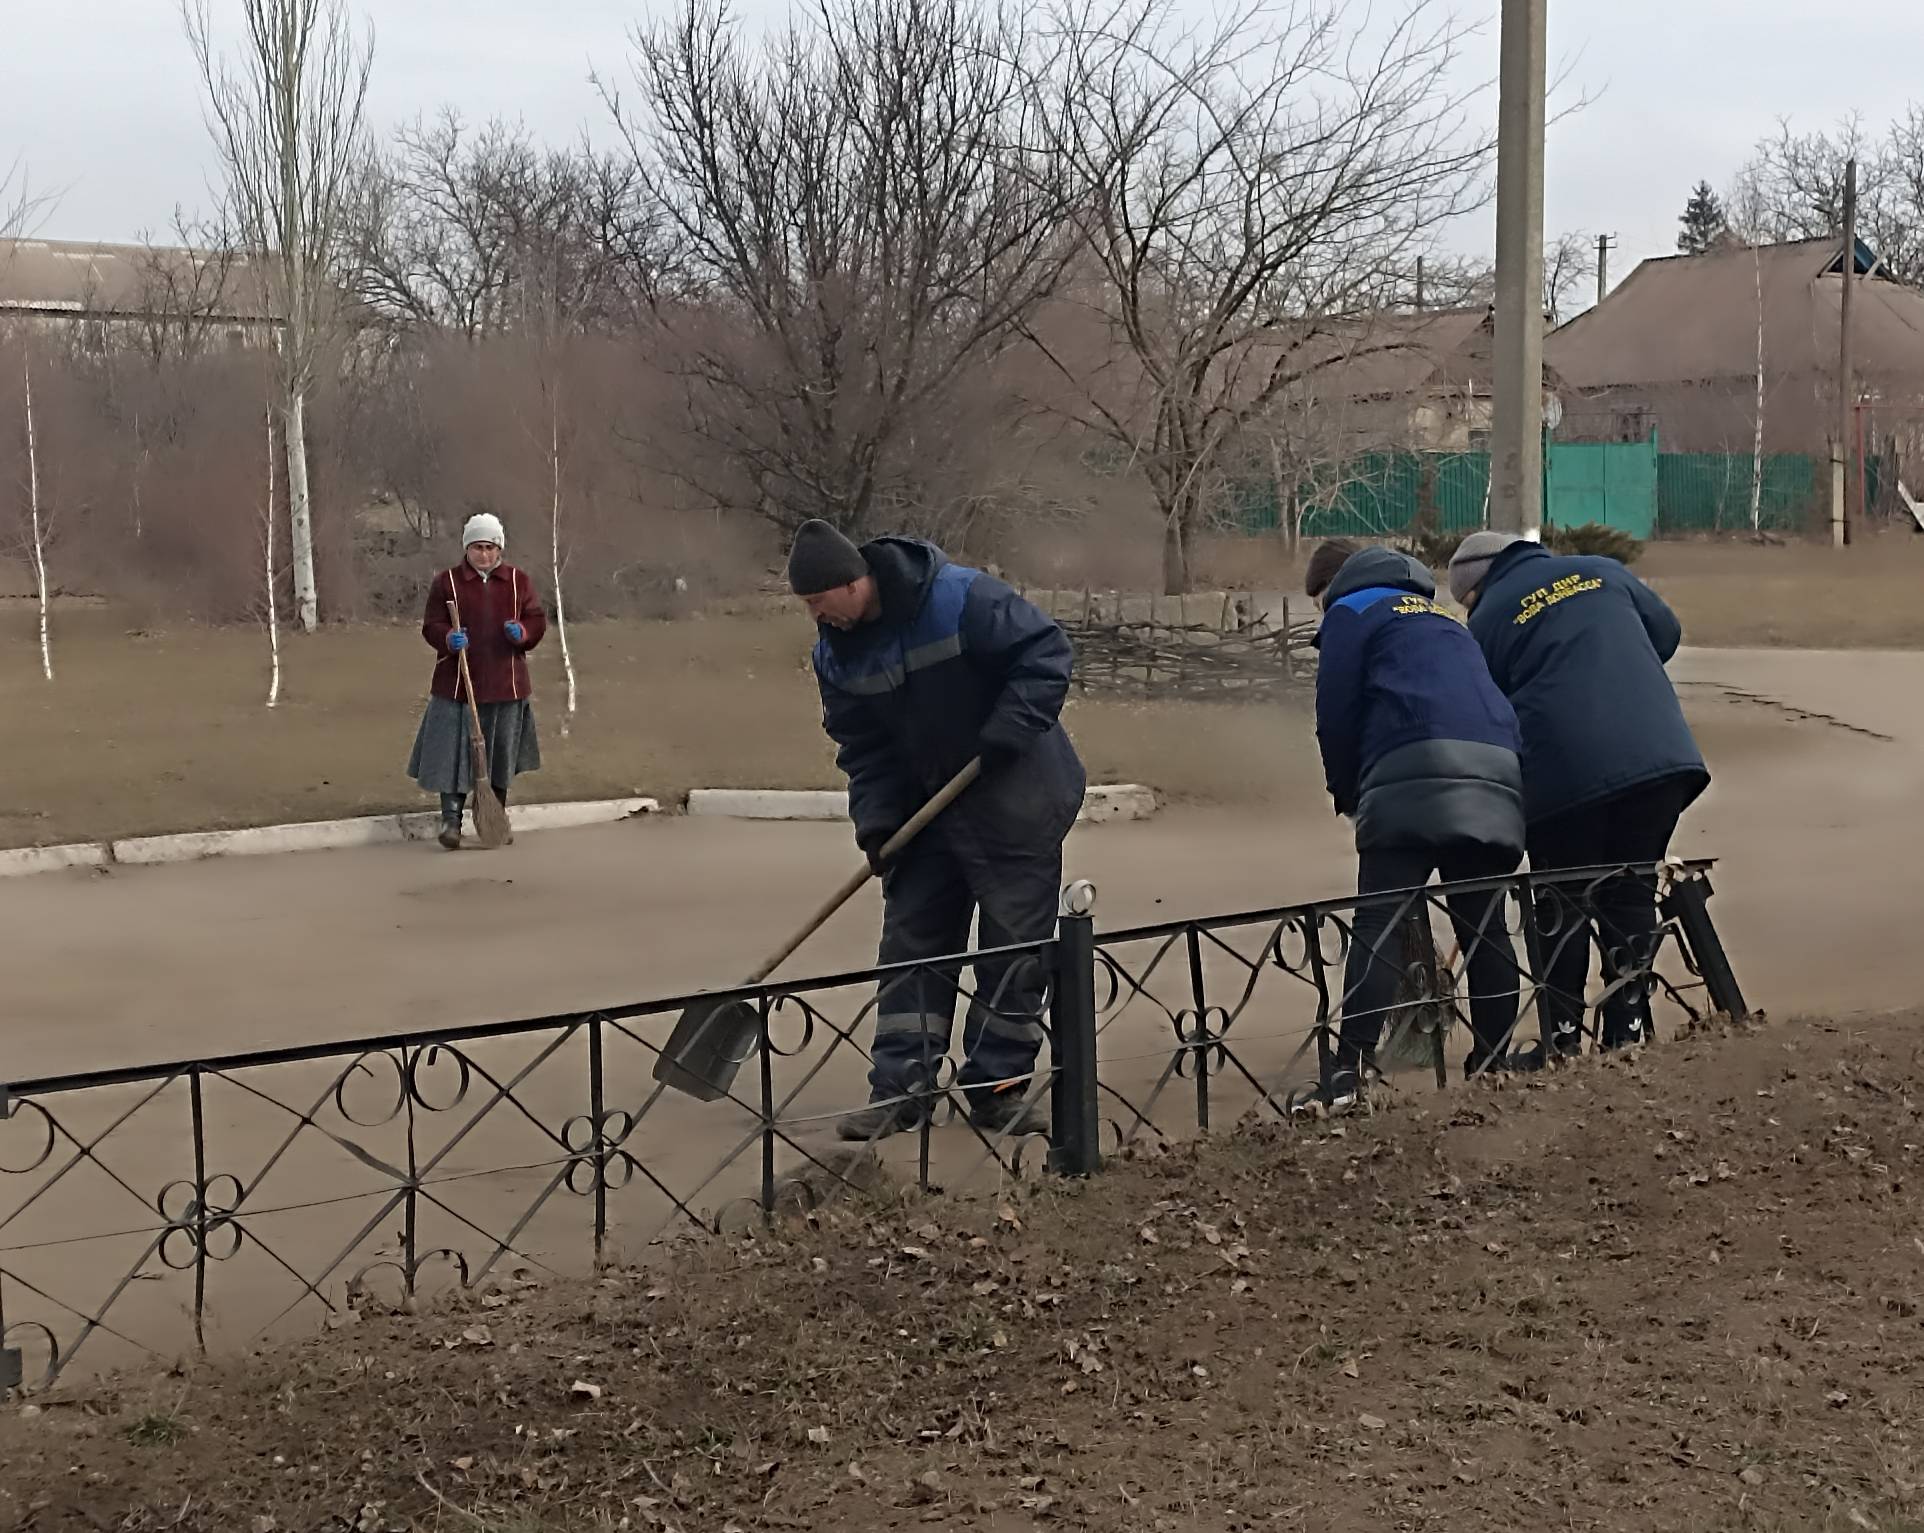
[(1611, 484), (1699, 492), (1462, 489), (1629, 485), (1575, 484), (1376, 494)]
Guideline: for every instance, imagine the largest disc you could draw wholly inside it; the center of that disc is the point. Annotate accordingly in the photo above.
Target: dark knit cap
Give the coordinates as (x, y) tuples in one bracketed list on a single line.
[(821, 559), (1330, 556)]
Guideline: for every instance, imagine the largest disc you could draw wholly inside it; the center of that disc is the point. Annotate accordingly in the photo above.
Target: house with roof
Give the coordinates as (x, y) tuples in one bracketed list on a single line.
[(1677, 349), (104, 295), (1420, 380)]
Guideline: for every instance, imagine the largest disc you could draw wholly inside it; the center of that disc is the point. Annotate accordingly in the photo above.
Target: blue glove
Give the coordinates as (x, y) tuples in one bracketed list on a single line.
[(457, 641), (516, 633)]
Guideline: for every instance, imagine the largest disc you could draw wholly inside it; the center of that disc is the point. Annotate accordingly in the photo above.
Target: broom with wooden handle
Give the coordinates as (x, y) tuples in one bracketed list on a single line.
[(490, 815)]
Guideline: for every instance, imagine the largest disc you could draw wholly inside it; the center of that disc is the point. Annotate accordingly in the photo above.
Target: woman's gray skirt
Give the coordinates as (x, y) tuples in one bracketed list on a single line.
[(441, 761)]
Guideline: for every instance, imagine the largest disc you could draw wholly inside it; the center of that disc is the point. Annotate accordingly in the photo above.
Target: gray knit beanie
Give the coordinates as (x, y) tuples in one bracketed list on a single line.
[(822, 560), (1472, 559)]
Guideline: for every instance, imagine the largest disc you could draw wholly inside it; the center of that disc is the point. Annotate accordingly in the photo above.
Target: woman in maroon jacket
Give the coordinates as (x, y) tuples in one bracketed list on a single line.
[(497, 619)]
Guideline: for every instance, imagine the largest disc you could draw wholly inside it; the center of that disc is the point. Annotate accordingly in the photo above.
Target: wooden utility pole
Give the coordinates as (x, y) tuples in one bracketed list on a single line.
[(1419, 282), (1846, 383), (1603, 267), (1516, 430)]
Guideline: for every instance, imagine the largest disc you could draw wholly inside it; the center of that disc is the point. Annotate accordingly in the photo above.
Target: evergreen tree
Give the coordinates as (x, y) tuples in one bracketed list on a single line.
[(1705, 226)]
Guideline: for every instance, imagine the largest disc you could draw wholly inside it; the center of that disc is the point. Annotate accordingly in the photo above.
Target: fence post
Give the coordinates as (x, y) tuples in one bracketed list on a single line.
[(12, 1364), (1075, 1124), (1688, 903)]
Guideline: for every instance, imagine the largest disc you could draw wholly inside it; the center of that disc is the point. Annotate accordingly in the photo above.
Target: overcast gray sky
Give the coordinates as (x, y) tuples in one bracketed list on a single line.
[(102, 101)]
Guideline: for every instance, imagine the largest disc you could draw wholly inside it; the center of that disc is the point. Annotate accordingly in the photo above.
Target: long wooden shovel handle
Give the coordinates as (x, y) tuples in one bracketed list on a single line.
[(950, 792)]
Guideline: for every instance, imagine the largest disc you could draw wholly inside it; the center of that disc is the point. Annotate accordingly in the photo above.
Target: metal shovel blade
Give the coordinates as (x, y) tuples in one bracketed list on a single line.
[(713, 1038), (708, 1047)]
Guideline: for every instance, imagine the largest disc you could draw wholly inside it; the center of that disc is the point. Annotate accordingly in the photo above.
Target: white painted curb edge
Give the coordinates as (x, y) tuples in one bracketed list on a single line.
[(1116, 801), (51, 859), (1123, 801), (314, 836)]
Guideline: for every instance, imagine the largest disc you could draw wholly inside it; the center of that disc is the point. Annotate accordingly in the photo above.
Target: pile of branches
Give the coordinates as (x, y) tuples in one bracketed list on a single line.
[(1155, 659)]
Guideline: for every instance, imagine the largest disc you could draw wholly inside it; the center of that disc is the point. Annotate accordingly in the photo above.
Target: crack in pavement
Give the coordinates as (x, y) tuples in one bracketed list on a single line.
[(1787, 710)]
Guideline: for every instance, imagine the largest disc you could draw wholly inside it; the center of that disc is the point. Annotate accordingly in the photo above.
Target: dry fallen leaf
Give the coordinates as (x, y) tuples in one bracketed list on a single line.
[(1148, 1236), (478, 1336), (582, 1390), (1373, 1423), (818, 1435), (1351, 1371), (461, 1465)]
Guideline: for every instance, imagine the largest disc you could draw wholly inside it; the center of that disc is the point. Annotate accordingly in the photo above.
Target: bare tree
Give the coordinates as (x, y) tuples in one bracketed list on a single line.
[(186, 290), (456, 224), (287, 123), (868, 213), (270, 597), (1250, 196), (1569, 266), (37, 523), (1757, 437), (1792, 188), (21, 208)]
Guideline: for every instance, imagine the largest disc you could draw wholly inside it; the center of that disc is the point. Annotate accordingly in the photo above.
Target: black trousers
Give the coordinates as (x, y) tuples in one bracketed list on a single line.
[(1619, 912), (1375, 953), (945, 881)]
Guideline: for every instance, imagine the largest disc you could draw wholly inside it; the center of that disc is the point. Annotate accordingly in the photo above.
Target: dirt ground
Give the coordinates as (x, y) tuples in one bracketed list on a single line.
[(1678, 1291), (1798, 596), (147, 732)]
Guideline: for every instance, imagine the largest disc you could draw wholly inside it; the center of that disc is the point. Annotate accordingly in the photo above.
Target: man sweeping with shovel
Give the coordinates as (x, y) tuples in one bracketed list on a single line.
[(924, 665)]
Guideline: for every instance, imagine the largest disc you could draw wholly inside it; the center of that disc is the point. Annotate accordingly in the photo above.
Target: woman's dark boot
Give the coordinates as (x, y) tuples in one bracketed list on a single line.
[(451, 807)]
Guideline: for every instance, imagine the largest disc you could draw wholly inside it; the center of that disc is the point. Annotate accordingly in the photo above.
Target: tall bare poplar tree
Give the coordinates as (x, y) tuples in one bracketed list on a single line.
[(286, 119)]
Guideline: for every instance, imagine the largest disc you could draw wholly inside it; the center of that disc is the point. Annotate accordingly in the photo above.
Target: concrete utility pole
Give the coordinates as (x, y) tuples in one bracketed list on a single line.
[(1516, 434), (1846, 385), (1603, 267)]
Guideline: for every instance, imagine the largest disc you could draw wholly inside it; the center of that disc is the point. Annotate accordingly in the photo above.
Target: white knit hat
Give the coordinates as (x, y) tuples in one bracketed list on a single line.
[(483, 527)]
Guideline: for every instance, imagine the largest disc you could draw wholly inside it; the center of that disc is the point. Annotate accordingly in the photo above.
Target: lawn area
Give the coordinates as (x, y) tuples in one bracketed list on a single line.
[(143, 732)]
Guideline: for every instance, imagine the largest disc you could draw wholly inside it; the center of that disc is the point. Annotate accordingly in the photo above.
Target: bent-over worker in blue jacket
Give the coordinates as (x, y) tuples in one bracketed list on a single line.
[(1420, 750), (922, 665), (1579, 645)]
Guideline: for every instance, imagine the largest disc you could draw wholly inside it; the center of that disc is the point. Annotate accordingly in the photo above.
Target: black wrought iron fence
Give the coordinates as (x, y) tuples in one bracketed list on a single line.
[(153, 1211)]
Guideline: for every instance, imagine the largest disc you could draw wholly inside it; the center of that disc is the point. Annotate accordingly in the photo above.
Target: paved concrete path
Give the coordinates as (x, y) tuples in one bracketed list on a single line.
[(1816, 812)]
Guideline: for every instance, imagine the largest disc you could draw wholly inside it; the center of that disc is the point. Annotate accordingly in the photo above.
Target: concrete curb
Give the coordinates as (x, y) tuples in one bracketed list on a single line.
[(51, 859), (1102, 805), (313, 836)]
